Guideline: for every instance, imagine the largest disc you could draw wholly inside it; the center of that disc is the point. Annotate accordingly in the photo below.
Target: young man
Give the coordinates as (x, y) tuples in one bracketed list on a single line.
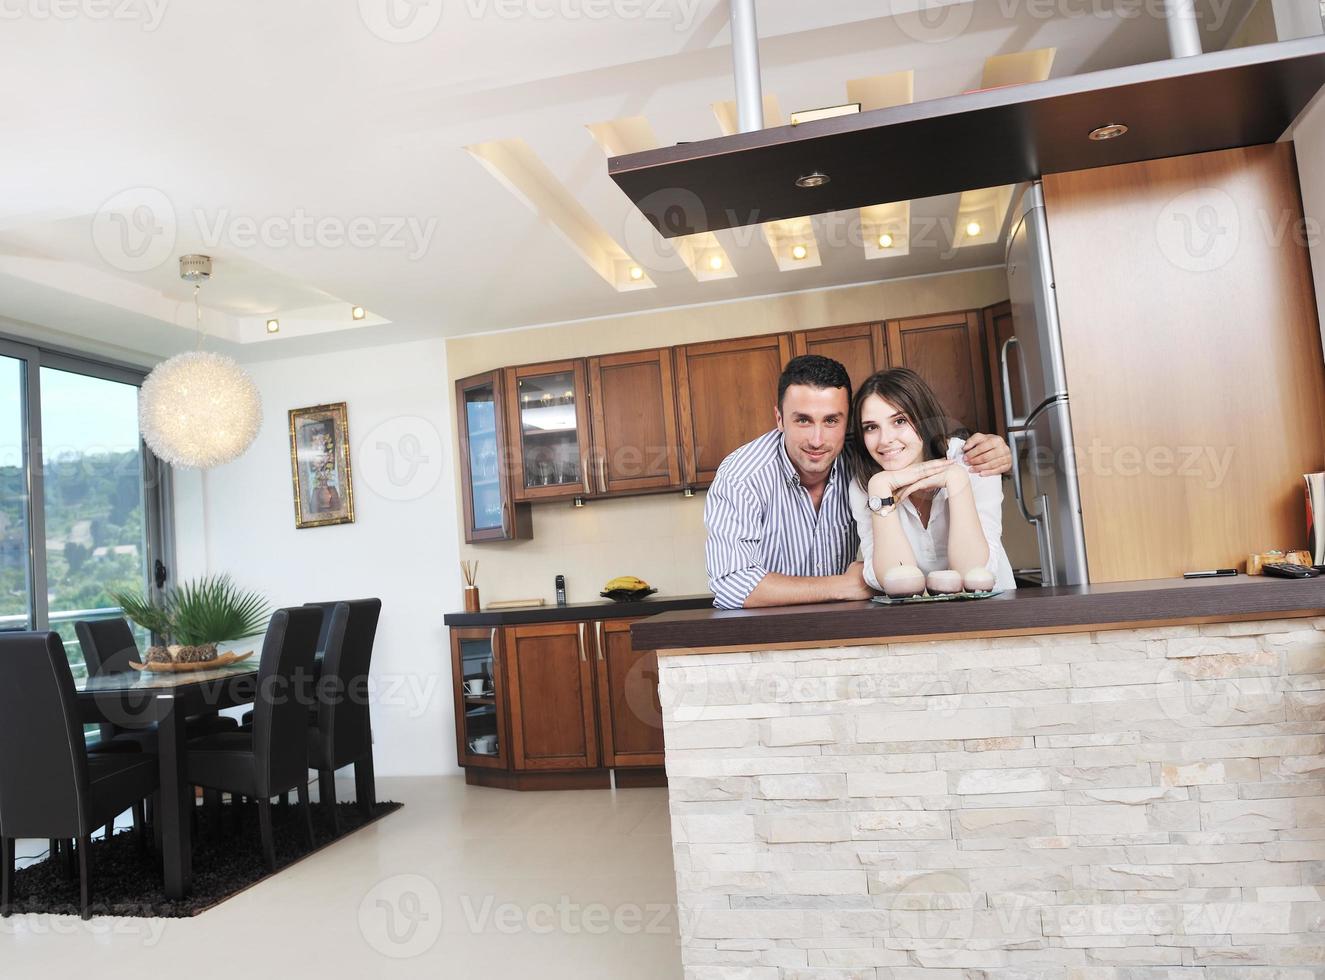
[(778, 513)]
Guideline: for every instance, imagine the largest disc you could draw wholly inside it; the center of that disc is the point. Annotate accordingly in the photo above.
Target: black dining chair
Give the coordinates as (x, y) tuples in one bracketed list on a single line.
[(108, 648), (272, 758), (342, 734), (50, 786)]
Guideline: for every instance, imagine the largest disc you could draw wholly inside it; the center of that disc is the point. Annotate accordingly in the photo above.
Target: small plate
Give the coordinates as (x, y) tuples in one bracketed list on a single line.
[(887, 600)]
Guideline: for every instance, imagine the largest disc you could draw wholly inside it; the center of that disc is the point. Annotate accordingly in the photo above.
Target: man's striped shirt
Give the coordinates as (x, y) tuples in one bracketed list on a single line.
[(760, 520)]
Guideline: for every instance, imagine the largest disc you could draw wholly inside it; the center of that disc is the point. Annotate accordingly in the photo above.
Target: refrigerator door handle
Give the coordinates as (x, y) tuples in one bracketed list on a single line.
[(1014, 444), (1045, 539), (1009, 415)]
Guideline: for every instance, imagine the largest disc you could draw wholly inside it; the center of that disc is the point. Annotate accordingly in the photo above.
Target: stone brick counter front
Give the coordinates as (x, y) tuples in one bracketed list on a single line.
[(1130, 803)]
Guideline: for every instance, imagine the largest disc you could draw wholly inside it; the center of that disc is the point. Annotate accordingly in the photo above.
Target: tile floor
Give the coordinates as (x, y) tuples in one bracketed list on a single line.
[(463, 882)]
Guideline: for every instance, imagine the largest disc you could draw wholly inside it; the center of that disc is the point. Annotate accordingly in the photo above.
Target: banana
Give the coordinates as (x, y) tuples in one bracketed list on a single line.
[(627, 582)]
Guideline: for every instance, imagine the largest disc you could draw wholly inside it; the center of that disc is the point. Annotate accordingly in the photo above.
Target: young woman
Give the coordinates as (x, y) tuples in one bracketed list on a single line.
[(941, 515)]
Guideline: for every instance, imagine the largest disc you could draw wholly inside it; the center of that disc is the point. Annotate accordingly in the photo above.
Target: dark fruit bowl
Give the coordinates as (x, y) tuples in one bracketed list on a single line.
[(627, 595)]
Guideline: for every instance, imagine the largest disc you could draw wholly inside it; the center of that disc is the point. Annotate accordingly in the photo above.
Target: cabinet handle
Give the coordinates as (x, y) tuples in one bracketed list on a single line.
[(505, 533), (584, 472), (492, 643), (602, 474), (580, 627), (598, 635)]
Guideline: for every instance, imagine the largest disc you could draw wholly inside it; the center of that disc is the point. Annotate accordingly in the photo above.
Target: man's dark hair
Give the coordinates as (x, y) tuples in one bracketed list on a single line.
[(815, 371)]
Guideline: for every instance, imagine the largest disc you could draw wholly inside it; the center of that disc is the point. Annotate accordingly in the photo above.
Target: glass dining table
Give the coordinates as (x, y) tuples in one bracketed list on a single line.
[(139, 699)]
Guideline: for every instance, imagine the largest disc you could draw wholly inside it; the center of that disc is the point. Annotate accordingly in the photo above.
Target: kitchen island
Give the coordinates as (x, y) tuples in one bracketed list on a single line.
[(1127, 779)]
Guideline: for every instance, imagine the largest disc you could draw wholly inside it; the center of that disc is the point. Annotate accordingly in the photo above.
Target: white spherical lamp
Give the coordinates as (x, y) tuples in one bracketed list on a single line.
[(199, 409)]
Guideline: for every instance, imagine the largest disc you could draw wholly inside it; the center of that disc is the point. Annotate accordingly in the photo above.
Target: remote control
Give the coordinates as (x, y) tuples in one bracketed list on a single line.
[(1282, 569)]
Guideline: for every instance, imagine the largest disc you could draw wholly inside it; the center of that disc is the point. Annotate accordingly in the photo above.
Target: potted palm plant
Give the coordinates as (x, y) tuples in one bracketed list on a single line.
[(194, 616)]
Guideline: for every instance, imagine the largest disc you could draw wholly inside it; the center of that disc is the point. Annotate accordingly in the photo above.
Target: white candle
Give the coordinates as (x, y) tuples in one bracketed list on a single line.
[(903, 581), (979, 580), (944, 582)]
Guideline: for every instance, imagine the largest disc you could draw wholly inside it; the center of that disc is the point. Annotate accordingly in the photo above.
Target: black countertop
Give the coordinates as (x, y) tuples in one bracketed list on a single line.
[(1049, 609), (578, 611)]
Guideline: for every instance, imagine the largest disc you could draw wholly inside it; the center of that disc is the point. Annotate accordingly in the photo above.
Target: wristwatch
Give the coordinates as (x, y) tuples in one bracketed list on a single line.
[(882, 505)]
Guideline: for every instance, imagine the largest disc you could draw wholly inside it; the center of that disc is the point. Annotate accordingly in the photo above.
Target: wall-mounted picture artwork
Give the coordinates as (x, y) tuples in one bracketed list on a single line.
[(320, 460)]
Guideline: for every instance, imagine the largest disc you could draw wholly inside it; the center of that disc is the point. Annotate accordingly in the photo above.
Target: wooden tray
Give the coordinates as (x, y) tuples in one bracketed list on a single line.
[(222, 660), (887, 600)]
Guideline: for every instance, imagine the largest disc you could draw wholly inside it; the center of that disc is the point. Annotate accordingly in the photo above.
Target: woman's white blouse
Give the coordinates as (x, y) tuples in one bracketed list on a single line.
[(930, 544)]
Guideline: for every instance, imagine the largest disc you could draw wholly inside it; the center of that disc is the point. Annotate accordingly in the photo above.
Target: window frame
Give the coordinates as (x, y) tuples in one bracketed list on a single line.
[(158, 509)]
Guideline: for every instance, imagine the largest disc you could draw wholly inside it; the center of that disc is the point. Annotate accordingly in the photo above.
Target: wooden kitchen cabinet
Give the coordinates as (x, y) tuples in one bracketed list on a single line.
[(862, 348), (947, 350), (549, 677), (485, 458), (726, 393), (481, 720), (997, 322), (633, 413), (549, 430), (629, 713)]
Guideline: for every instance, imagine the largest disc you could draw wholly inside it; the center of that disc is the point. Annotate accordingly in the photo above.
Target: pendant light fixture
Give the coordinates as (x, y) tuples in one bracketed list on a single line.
[(198, 409)]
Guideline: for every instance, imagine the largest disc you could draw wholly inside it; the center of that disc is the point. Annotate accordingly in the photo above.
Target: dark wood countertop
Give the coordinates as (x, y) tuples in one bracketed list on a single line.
[(1050, 610), (578, 611)]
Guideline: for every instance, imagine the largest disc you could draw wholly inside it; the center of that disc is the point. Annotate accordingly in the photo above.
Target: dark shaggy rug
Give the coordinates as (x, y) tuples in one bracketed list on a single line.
[(227, 858)]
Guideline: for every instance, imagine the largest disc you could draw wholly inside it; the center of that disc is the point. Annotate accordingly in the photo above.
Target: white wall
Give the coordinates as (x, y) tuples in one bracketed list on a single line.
[(402, 547)]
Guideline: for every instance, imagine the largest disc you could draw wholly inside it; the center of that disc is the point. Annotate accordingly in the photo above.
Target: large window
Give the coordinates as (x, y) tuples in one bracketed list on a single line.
[(80, 499)]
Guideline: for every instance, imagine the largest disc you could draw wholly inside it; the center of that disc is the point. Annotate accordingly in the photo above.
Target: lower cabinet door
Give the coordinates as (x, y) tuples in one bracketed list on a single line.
[(549, 678), (480, 714), (628, 706)]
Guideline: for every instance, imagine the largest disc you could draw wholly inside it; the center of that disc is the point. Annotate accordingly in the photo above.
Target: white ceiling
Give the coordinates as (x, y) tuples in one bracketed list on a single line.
[(234, 128)]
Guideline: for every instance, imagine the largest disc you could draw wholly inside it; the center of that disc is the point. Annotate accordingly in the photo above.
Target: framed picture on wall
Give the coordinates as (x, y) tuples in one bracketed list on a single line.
[(320, 461)]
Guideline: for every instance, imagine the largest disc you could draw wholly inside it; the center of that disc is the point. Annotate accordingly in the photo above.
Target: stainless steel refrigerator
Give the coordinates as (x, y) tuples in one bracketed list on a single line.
[(1044, 471)]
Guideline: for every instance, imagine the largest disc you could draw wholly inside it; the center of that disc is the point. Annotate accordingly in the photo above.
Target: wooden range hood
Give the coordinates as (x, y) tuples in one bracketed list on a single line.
[(1212, 101)]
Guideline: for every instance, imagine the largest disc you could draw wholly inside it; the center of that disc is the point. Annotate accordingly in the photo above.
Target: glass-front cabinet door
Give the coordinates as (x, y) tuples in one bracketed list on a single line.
[(480, 697), (485, 462), (549, 430)]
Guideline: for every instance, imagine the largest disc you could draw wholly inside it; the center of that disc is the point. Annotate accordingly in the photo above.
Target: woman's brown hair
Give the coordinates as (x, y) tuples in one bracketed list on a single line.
[(909, 394)]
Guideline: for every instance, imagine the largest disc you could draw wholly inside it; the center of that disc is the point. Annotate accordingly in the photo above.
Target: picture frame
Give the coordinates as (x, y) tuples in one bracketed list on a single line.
[(320, 465)]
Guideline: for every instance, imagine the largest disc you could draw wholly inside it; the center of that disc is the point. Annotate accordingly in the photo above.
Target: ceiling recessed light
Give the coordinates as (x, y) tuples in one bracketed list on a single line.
[(715, 262), (1107, 132), (885, 240), (799, 252), (357, 313), (273, 326), (972, 229), (814, 179), (636, 273)]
